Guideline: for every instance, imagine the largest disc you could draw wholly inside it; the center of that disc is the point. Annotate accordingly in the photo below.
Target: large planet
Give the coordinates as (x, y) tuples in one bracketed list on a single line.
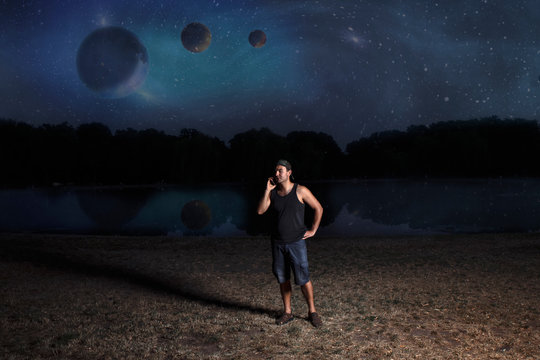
[(196, 214), (196, 37), (112, 61), (257, 38)]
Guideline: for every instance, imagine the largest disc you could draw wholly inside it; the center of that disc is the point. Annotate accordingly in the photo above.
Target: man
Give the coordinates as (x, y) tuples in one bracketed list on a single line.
[(288, 237)]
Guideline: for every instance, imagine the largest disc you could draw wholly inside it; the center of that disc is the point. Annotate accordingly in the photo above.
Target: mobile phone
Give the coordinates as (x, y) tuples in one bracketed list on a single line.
[(273, 180)]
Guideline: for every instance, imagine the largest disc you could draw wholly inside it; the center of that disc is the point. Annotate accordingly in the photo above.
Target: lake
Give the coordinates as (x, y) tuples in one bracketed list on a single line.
[(352, 208)]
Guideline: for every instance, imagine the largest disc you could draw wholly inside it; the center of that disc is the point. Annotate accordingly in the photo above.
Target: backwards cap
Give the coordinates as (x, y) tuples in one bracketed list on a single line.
[(284, 163)]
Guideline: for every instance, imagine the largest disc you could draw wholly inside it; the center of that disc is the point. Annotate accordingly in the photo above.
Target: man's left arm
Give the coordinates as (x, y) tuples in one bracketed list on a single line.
[(308, 198)]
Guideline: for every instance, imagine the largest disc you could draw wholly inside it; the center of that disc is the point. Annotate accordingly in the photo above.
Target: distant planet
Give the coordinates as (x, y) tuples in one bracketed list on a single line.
[(196, 37), (196, 214), (112, 62), (257, 38)]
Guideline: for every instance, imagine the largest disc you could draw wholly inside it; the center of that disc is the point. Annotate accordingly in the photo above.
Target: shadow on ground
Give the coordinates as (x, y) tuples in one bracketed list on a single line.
[(61, 262)]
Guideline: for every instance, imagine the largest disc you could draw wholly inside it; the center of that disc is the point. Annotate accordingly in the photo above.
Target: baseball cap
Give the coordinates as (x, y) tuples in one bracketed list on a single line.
[(284, 163)]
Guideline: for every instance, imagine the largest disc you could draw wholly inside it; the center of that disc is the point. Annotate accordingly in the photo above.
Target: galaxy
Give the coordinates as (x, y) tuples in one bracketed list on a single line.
[(345, 68)]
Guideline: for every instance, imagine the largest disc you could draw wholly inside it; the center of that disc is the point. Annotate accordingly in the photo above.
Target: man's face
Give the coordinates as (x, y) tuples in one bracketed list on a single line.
[(282, 174)]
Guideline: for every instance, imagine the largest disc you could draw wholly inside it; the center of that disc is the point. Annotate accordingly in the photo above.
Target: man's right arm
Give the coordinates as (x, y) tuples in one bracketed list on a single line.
[(264, 204)]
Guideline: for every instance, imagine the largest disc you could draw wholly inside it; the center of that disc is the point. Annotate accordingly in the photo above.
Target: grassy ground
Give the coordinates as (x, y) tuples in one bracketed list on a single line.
[(439, 297)]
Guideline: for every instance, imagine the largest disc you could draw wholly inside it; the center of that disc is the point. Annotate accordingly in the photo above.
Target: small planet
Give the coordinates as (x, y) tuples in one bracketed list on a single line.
[(196, 214), (257, 38), (112, 62), (196, 37)]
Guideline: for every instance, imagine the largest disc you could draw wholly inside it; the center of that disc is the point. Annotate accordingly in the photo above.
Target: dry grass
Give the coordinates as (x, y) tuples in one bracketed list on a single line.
[(446, 297)]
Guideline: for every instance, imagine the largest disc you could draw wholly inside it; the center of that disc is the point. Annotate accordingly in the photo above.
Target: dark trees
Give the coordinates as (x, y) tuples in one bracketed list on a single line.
[(487, 147), (91, 154), (314, 156), (254, 154)]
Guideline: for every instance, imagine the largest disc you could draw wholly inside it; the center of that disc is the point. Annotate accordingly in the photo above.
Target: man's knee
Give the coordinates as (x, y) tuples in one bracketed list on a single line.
[(286, 283), (301, 274)]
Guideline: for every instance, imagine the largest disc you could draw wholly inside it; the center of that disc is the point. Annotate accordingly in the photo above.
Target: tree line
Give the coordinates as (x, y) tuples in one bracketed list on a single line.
[(91, 154)]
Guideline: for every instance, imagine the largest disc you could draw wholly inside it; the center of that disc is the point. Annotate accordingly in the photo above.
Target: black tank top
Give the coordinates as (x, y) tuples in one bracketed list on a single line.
[(289, 212)]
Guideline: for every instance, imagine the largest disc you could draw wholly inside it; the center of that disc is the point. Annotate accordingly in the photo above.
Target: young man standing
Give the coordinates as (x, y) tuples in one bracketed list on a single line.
[(288, 236)]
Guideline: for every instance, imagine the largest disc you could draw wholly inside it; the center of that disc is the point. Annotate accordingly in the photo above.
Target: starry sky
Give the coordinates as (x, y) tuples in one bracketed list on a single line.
[(347, 68)]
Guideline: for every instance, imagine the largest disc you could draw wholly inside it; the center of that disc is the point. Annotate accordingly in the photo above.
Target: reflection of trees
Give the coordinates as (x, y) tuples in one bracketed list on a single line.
[(473, 205), (165, 211), (390, 202), (112, 208), (331, 204), (250, 221), (92, 154)]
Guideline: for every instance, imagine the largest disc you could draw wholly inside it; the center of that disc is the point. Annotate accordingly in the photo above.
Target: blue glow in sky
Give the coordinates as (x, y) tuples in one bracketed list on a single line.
[(346, 68)]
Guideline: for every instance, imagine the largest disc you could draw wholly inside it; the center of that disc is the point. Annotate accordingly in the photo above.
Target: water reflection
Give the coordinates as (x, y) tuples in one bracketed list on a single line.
[(112, 208), (376, 207), (47, 210), (454, 206), (163, 211)]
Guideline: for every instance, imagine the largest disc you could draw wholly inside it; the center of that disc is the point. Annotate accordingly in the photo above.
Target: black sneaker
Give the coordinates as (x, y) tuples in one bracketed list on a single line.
[(285, 318), (315, 319)]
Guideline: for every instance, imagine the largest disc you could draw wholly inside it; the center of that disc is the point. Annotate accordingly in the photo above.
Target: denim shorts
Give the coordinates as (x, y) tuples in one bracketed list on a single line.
[(290, 255)]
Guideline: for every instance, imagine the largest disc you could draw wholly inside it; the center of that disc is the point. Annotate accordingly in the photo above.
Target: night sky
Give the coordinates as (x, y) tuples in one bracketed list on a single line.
[(346, 68)]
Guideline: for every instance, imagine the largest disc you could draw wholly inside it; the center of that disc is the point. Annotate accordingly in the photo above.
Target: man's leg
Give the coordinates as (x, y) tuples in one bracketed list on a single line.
[(313, 317), (286, 292), (307, 290)]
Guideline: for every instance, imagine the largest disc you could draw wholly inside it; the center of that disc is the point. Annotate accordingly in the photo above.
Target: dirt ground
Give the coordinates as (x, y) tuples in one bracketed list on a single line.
[(105, 297)]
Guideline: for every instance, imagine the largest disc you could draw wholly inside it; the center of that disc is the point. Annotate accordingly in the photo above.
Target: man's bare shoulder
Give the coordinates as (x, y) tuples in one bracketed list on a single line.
[(302, 190), (305, 196)]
